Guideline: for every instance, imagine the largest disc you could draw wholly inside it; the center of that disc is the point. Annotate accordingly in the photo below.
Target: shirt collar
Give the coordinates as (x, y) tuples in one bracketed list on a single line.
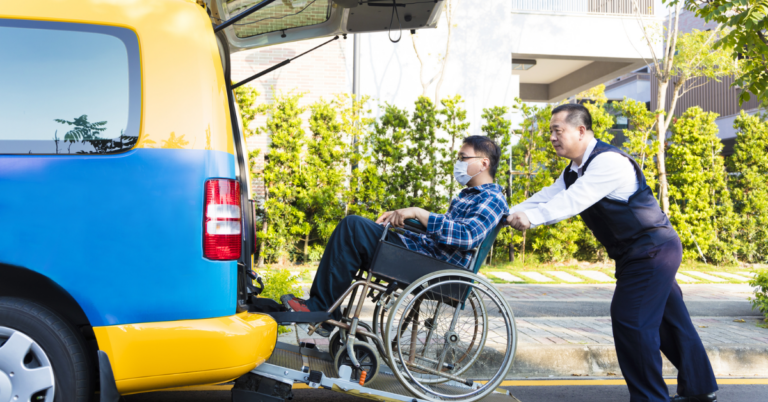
[(585, 158), (480, 188)]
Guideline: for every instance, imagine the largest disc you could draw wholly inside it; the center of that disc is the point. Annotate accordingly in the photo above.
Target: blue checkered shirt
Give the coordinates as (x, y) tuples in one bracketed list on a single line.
[(471, 216)]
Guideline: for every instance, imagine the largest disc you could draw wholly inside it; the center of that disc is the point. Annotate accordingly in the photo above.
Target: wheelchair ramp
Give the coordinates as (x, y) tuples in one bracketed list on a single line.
[(301, 360)]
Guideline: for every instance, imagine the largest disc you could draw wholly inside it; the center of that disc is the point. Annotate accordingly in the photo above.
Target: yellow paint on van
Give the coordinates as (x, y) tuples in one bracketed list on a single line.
[(153, 356), (184, 100)]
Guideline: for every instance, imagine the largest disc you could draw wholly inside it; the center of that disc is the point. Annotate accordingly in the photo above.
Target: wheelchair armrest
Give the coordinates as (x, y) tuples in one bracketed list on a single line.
[(413, 225)]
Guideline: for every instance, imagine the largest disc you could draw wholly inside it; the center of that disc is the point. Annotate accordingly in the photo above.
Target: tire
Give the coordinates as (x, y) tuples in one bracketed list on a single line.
[(366, 355), (335, 343), (53, 346), (416, 350)]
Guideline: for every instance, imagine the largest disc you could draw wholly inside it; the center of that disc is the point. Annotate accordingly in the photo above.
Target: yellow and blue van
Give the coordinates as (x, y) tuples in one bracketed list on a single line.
[(126, 229)]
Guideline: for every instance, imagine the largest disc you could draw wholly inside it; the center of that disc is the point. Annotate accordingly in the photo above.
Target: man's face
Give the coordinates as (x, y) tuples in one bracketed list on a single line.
[(564, 137), (476, 162)]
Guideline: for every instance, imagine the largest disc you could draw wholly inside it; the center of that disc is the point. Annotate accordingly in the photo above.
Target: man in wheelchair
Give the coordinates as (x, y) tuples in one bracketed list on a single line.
[(449, 237)]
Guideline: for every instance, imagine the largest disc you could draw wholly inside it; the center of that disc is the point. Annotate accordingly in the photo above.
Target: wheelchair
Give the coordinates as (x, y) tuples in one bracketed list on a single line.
[(434, 323)]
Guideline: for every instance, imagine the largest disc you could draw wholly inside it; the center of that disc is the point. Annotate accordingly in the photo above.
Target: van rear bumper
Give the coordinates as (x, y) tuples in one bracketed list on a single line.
[(157, 355)]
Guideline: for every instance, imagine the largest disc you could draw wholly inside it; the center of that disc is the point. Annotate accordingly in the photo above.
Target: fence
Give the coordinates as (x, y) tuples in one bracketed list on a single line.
[(606, 7)]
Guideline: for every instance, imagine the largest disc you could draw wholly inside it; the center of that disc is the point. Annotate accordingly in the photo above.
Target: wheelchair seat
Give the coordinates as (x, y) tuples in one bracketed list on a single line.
[(394, 263)]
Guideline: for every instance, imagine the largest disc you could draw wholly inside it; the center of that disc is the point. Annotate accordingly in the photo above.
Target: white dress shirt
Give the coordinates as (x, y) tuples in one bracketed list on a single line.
[(609, 175)]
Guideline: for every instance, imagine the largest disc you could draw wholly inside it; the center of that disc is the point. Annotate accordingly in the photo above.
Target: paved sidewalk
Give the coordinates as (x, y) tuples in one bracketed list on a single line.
[(597, 331), (566, 346)]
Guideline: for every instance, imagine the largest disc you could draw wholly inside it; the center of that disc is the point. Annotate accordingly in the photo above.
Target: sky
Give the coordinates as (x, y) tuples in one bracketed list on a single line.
[(53, 74)]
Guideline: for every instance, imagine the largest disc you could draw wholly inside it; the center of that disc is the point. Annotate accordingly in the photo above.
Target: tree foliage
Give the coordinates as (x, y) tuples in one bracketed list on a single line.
[(282, 178), (745, 39), (641, 141), (322, 177), (749, 185), (701, 208)]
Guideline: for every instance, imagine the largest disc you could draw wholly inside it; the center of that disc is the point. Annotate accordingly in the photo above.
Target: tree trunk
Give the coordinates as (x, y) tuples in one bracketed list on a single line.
[(522, 249), (306, 249), (661, 127), (264, 228)]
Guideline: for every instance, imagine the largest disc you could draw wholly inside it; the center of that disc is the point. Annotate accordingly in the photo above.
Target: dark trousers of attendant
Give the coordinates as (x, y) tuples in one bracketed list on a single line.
[(350, 248), (649, 315)]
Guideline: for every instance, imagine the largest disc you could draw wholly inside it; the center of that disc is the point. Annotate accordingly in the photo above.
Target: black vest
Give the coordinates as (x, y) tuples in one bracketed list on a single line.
[(624, 227)]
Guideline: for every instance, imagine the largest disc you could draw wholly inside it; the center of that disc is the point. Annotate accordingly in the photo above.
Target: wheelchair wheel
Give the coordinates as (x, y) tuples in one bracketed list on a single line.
[(450, 326), (380, 322), (335, 343), (366, 355)]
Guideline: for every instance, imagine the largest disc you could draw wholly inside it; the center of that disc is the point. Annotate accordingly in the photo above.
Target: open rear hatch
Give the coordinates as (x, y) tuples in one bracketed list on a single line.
[(281, 21)]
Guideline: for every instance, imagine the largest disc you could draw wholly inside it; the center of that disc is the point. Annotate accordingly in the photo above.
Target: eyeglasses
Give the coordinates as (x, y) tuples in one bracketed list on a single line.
[(462, 158)]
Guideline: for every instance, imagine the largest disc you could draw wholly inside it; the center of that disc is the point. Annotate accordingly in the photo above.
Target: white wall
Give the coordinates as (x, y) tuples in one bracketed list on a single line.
[(579, 36), (478, 67), (639, 90)]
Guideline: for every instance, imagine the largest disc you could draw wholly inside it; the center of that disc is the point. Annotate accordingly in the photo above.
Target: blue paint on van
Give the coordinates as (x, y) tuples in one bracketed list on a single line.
[(119, 229)]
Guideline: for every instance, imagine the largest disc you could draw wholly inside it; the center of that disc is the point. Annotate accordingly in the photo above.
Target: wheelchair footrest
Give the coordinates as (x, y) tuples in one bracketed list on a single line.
[(289, 317)]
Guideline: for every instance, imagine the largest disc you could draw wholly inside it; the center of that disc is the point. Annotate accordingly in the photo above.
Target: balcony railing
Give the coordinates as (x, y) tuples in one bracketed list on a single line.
[(597, 7)]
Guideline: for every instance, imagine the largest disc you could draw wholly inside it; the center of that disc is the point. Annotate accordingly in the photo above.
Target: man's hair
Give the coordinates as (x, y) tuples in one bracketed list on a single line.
[(486, 147), (577, 116)]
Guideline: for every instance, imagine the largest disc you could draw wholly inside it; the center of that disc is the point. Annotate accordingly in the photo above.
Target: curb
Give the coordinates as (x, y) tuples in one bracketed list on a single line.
[(601, 361)]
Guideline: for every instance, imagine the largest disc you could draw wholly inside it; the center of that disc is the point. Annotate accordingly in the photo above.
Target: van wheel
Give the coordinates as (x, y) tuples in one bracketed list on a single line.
[(42, 358)]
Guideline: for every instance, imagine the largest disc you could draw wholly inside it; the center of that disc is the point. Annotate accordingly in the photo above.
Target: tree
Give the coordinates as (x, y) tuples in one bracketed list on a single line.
[(378, 184), (746, 39), (322, 176), (749, 184), (701, 209), (246, 97), (281, 175), (640, 141), (455, 125), (499, 128), (688, 61), (83, 130), (537, 166), (422, 171)]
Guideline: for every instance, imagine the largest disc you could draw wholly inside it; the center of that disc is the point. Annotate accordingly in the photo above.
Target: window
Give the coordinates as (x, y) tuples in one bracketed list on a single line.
[(278, 16), (68, 88)]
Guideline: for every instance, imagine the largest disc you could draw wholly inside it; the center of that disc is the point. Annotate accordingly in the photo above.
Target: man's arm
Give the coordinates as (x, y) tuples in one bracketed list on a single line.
[(541, 197), (467, 232), (397, 218), (606, 173)]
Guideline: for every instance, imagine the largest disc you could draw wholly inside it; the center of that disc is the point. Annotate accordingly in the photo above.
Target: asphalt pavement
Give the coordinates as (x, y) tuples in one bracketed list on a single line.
[(579, 392)]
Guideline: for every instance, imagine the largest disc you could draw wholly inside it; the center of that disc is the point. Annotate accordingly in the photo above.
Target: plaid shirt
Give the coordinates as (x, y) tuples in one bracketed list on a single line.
[(471, 216)]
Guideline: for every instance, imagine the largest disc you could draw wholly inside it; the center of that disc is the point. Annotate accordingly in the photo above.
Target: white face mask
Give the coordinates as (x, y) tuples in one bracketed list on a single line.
[(460, 172)]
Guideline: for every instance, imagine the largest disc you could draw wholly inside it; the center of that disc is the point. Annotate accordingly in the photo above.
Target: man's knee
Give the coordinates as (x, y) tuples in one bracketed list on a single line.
[(353, 221)]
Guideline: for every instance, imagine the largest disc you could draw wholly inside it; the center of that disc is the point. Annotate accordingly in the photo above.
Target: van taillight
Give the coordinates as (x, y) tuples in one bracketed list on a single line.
[(222, 238)]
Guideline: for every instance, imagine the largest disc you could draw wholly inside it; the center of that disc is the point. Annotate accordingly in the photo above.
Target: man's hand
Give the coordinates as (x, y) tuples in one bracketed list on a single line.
[(397, 218), (519, 220)]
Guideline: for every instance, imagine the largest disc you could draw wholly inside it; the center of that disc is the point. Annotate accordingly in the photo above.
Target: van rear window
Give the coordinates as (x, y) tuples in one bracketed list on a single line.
[(68, 88), (278, 16)]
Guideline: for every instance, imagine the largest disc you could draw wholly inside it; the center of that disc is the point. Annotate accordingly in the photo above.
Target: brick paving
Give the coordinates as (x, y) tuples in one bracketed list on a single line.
[(592, 330), (597, 330)]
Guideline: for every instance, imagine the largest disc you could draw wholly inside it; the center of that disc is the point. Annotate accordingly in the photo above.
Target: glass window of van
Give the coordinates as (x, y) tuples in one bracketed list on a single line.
[(278, 16), (68, 88)]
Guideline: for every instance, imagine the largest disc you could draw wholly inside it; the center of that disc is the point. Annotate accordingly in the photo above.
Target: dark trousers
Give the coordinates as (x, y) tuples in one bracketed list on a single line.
[(349, 249), (649, 315)]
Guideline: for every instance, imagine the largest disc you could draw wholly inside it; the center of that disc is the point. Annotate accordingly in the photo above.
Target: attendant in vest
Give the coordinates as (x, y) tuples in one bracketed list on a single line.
[(607, 188)]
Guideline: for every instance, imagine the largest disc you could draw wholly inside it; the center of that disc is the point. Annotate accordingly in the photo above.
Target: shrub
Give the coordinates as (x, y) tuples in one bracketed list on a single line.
[(277, 283), (760, 301)]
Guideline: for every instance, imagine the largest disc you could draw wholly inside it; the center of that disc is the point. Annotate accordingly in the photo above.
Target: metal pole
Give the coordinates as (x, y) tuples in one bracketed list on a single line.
[(355, 84), (356, 67)]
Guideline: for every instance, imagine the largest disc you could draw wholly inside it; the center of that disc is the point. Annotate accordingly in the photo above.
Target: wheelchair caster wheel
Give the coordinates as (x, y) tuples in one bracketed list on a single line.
[(335, 343), (366, 355)]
